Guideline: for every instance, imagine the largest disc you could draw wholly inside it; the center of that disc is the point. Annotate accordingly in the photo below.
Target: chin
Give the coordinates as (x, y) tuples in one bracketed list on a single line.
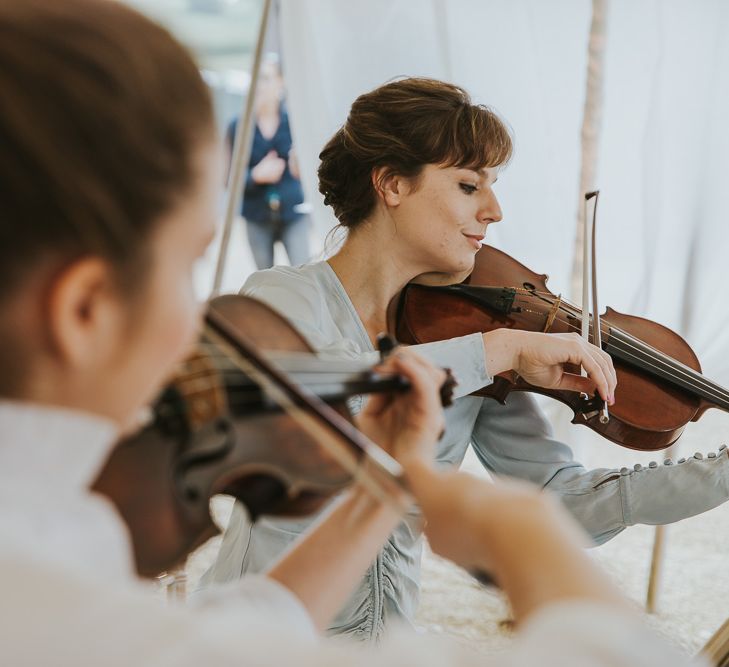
[(463, 264), (450, 273)]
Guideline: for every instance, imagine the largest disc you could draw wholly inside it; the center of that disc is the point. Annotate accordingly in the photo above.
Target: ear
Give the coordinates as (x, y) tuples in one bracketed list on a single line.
[(85, 314), (388, 185)]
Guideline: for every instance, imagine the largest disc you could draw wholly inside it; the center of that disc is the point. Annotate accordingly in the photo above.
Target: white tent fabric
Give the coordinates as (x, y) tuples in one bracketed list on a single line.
[(663, 240)]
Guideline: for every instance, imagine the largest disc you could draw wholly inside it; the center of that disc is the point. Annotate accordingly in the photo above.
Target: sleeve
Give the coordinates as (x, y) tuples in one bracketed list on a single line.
[(516, 440), (90, 621), (299, 299), (257, 596), (566, 634), (583, 634), (87, 621)]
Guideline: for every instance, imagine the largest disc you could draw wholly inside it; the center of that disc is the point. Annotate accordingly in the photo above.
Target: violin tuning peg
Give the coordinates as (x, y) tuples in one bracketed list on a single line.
[(652, 464), (698, 456), (711, 455)]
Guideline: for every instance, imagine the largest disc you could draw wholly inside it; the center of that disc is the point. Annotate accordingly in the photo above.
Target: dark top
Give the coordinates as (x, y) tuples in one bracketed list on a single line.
[(261, 200)]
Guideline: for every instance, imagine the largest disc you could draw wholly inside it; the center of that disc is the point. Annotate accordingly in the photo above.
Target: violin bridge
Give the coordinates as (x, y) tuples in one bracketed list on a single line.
[(552, 314)]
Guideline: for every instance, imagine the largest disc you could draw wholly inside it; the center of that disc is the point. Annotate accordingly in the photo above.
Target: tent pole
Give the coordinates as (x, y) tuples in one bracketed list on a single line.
[(241, 151), (590, 135)]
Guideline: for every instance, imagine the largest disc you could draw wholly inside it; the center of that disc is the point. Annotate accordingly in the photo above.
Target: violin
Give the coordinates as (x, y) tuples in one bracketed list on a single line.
[(220, 426), (660, 385)]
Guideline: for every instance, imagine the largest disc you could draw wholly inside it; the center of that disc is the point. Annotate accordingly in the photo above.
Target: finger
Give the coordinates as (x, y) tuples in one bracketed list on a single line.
[(593, 370), (579, 383), (376, 404), (432, 377), (425, 379), (604, 360), (606, 363)]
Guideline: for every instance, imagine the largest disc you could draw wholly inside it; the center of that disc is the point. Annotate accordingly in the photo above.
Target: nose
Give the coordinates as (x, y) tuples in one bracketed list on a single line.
[(490, 210)]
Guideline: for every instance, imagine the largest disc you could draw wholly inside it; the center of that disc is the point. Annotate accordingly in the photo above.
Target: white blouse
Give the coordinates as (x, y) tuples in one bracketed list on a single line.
[(70, 597), (514, 440)]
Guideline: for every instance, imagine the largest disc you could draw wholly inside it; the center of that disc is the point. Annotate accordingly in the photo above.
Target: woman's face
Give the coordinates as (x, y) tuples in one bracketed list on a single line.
[(270, 85), (441, 218), (163, 320)]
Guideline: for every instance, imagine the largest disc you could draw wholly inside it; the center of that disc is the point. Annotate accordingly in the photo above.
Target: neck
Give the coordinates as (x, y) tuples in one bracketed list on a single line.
[(373, 272), (267, 109)]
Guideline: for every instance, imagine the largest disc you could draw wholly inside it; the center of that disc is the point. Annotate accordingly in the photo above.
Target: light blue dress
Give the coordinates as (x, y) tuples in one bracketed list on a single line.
[(513, 439)]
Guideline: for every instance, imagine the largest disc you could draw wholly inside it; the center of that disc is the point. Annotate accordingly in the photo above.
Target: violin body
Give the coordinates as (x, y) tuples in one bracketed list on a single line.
[(203, 440), (660, 387)]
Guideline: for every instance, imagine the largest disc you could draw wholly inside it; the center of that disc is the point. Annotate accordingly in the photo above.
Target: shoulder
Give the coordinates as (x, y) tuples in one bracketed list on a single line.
[(295, 291), (298, 279)]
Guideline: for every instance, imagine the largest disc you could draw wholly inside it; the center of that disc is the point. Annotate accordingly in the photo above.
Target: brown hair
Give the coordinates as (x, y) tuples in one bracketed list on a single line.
[(403, 126), (102, 112)]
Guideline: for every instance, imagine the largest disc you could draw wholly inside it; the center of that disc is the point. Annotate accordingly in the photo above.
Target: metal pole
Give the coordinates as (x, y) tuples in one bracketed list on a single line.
[(241, 151)]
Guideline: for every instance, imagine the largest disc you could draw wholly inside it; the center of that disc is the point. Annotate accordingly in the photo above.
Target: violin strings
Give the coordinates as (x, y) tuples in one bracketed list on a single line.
[(637, 350), (299, 362), (653, 358), (245, 391), (645, 352)]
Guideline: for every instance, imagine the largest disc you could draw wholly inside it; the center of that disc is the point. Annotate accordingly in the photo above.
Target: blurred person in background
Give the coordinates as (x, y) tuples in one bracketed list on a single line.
[(273, 193)]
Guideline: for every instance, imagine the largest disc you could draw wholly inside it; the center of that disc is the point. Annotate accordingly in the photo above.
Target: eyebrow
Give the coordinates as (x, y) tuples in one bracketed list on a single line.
[(482, 172)]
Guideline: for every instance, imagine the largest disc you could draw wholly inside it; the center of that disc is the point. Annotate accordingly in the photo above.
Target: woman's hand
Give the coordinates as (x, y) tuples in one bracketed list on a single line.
[(463, 511), (269, 170), (409, 424), (540, 360), (509, 529)]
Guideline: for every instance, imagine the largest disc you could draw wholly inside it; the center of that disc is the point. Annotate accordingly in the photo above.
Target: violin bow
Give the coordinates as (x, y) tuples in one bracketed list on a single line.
[(596, 327), (378, 472)]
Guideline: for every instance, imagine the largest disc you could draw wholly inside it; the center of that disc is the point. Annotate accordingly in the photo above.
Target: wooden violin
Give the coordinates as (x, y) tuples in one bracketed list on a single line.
[(219, 429), (660, 384)]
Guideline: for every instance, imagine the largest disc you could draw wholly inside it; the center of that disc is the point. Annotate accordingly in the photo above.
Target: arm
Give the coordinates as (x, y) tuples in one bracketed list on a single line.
[(322, 567), (525, 539), (302, 298), (516, 440)]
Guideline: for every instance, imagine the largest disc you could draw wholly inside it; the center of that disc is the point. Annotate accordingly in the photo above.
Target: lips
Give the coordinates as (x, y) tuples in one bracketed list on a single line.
[(476, 240)]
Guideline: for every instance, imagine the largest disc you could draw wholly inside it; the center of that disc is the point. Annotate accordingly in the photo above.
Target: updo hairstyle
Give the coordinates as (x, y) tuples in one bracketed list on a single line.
[(403, 126)]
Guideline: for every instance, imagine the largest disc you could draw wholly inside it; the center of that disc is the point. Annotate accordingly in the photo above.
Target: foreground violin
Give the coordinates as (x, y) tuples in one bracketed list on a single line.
[(220, 427), (660, 385)]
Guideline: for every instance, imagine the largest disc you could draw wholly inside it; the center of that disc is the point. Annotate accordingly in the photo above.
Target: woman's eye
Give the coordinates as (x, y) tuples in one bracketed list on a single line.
[(468, 188)]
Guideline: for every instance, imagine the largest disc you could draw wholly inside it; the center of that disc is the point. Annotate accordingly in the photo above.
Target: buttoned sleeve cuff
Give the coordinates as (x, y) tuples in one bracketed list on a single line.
[(466, 358)]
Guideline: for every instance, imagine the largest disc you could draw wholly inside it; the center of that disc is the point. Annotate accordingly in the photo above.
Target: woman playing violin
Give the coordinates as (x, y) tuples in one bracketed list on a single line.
[(108, 180), (410, 176)]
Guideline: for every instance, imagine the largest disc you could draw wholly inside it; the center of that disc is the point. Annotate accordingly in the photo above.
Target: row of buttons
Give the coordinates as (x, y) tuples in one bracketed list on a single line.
[(668, 462)]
